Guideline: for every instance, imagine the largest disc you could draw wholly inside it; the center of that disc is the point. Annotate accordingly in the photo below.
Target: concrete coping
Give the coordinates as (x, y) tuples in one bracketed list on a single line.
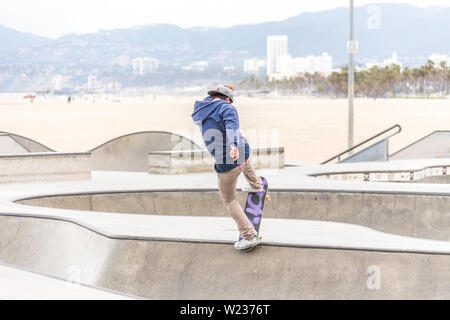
[(45, 154), (200, 160), (395, 171), (44, 166), (201, 151), (381, 171), (15, 135), (128, 226), (70, 193), (392, 166)]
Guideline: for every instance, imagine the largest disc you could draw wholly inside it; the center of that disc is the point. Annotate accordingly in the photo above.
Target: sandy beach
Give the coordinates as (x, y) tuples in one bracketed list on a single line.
[(311, 130)]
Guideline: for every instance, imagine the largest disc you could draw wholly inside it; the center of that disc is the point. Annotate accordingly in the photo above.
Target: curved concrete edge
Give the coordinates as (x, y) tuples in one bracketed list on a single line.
[(18, 283), (100, 221), (22, 139), (182, 270), (18, 199), (295, 179), (417, 216), (276, 232), (145, 132), (131, 152)]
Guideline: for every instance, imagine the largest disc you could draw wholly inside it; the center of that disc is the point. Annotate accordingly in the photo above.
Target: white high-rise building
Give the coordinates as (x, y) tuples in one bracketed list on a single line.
[(92, 84), (289, 66), (323, 63), (280, 64), (386, 62), (254, 65), (145, 65), (277, 46)]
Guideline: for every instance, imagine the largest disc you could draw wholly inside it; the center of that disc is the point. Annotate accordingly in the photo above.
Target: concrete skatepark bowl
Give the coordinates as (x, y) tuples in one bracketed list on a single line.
[(328, 233)]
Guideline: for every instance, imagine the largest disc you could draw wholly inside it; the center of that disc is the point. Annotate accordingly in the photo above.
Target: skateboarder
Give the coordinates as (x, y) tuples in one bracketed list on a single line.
[(219, 122)]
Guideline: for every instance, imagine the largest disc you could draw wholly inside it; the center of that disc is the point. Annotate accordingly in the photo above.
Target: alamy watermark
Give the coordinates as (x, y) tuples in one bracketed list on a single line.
[(373, 277), (265, 145), (373, 21), (73, 277)]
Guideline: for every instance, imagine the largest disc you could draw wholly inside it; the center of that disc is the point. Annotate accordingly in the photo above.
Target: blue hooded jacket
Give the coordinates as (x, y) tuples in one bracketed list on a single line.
[(219, 123)]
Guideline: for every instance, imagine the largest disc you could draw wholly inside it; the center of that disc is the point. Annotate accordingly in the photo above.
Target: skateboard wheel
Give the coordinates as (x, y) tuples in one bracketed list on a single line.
[(268, 197)]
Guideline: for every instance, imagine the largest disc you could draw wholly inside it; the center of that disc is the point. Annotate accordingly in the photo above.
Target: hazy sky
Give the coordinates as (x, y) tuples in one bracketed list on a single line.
[(53, 18)]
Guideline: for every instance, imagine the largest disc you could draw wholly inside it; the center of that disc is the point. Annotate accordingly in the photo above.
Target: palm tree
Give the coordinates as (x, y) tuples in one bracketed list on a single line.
[(392, 76), (442, 72), (406, 79), (428, 73)]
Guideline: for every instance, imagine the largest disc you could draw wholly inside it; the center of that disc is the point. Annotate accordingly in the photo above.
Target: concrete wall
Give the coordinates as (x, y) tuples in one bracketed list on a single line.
[(37, 167), (191, 161), (420, 216), (130, 152), (169, 270)]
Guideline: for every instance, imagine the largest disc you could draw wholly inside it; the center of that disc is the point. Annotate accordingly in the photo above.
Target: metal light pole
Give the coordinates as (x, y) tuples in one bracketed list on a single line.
[(352, 48)]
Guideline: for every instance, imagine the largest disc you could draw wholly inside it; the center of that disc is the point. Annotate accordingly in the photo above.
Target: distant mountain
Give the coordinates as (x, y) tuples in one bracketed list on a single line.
[(380, 29), (12, 40), (409, 30)]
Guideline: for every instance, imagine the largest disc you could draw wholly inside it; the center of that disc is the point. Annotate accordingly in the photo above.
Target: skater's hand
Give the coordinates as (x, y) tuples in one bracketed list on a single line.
[(234, 153)]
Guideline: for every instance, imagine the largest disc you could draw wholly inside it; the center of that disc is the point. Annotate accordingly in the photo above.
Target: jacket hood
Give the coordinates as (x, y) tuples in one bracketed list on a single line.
[(203, 109)]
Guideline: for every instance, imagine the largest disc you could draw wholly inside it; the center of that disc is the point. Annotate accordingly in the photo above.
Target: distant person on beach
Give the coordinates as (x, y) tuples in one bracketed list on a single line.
[(219, 122)]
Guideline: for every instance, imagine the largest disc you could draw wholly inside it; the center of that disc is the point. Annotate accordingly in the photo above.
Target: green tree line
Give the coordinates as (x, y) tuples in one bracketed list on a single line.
[(390, 81)]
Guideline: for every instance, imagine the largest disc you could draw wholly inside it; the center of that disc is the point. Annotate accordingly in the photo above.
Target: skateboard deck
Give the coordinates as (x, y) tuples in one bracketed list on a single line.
[(254, 206)]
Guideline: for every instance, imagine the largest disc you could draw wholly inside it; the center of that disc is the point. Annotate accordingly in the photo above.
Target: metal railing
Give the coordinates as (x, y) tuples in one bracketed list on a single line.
[(338, 156)]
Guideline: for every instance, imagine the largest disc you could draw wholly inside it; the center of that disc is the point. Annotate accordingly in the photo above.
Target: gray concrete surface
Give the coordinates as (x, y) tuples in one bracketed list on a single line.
[(9, 146), (434, 145), (30, 144), (20, 284), (11, 143), (130, 152), (192, 161), (191, 256), (177, 270), (429, 172), (436, 179), (47, 166), (410, 215)]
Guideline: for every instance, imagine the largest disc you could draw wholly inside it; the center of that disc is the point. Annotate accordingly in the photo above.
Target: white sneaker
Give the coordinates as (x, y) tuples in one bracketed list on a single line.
[(248, 188), (247, 244)]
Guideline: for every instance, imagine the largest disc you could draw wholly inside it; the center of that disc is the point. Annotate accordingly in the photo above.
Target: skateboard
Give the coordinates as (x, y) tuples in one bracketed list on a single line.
[(254, 206)]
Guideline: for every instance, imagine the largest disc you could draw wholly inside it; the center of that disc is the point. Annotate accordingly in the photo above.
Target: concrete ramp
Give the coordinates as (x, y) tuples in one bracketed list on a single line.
[(11, 143), (130, 152), (10, 146), (413, 215), (180, 270), (19, 284), (434, 145)]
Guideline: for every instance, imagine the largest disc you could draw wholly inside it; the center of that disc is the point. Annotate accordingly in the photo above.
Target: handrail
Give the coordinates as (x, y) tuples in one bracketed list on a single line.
[(338, 156)]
